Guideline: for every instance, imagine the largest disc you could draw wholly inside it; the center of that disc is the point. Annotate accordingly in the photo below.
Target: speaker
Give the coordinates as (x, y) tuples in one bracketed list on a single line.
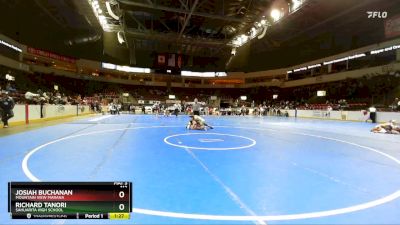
[(113, 48)]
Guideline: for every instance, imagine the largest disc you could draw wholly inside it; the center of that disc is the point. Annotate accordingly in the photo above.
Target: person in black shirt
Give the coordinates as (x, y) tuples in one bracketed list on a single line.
[(6, 108)]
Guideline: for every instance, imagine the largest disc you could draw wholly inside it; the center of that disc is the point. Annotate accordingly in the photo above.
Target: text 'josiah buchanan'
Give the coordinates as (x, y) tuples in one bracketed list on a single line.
[(44, 192)]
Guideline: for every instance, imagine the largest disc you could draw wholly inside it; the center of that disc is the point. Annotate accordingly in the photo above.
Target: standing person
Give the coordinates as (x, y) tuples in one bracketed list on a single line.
[(165, 110), (372, 114), (196, 107), (132, 109), (206, 111), (396, 104), (112, 108), (243, 110), (118, 107), (42, 102), (261, 110), (6, 107), (176, 109), (156, 108), (329, 110)]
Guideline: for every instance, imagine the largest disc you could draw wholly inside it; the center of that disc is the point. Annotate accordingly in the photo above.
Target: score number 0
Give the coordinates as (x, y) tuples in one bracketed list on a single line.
[(121, 194)]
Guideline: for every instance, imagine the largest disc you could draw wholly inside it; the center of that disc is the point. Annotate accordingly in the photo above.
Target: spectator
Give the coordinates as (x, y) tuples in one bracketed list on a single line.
[(118, 107), (176, 109), (6, 108), (112, 108), (329, 110), (10, 88), (342, 104), (243, 110), (396, 104), (132, 109)]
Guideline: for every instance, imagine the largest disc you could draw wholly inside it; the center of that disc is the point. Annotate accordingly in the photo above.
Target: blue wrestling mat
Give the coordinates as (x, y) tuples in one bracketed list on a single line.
[(247, 170)]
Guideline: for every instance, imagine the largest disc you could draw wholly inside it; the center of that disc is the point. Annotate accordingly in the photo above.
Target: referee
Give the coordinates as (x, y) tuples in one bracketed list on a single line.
[(6, 108), (196, 107), (372, 114)]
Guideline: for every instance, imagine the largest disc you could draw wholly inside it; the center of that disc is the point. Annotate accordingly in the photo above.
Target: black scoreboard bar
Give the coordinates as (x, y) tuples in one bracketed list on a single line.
[(70, 200)]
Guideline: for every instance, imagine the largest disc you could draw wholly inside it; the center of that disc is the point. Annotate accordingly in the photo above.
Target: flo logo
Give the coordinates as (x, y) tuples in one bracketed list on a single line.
[(376, 14)]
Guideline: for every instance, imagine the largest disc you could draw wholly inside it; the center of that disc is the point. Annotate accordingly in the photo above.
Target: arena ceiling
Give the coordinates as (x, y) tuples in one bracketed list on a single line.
[(203, 28)]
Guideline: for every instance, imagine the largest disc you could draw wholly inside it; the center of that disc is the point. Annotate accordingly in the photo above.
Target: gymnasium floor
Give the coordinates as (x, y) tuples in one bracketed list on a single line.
[(248, 170)]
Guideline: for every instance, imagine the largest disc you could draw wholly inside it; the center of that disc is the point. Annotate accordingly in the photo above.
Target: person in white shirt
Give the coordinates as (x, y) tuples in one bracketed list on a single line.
[(156, 108), (229, 111), (262, 109), (118, 108), (176, 109), (329, 110), (243, 110), (206, 111), (31, 96), (166, 111), (394, 105), (112, 108), (372, 114), (398, 104)]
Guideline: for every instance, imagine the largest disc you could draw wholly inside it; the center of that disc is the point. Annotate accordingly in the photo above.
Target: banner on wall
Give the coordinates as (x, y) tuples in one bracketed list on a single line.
[(179, 64), (161, 60), (321, 113), (171, 60), (50, 55)]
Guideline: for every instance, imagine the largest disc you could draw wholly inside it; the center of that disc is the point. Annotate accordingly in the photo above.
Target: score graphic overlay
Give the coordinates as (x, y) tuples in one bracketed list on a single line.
[(70, 200)]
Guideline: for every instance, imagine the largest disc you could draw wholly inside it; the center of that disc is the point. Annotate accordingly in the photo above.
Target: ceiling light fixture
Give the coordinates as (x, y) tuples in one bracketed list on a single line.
[(276, 14)]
